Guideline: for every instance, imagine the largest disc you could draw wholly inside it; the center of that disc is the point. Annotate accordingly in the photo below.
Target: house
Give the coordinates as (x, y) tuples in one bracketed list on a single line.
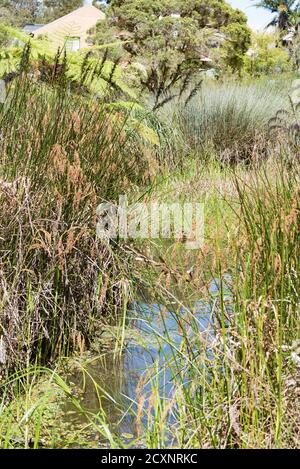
[(72, 30)]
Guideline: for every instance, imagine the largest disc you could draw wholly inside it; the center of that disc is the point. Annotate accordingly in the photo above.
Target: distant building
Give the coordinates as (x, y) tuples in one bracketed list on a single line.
[(72, 30)]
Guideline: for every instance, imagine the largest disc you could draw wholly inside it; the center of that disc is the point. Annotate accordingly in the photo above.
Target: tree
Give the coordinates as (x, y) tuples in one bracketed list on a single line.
[(20, 12), (170, 38), (6, 16), (54, 9), (286, 12), (264, 57), (236, 46)]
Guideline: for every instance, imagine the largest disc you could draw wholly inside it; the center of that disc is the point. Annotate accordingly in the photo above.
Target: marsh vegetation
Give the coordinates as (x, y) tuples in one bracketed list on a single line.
[(144, 343)]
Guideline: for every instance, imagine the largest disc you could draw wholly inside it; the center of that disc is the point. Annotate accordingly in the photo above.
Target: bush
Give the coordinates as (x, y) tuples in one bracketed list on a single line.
[(265, 57), (231, 119)]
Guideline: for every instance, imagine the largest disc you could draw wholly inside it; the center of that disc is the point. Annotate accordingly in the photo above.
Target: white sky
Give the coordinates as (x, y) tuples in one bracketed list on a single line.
[(258, 18)]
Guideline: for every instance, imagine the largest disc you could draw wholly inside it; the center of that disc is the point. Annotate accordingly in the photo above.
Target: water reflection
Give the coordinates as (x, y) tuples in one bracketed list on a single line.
[(159, 333)]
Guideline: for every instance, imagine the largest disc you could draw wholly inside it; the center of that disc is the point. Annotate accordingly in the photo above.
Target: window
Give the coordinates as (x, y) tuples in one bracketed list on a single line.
[(72, 44)]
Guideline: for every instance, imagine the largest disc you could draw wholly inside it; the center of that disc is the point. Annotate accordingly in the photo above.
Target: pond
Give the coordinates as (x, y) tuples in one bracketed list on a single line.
[(155, 349)]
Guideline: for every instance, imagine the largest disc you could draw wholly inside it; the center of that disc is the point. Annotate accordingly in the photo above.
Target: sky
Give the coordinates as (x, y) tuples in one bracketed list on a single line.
[(258, 18)]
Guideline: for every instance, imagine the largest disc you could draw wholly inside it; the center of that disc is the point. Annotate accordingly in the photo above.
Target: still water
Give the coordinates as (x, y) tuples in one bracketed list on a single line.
[(157, 334)]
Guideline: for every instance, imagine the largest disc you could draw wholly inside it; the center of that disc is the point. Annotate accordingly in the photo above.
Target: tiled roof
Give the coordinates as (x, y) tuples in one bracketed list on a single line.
[(77, 23)]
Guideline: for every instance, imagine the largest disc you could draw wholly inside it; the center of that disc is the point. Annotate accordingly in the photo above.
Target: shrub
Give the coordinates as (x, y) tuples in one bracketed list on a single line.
[(265, 57), (232, 119)]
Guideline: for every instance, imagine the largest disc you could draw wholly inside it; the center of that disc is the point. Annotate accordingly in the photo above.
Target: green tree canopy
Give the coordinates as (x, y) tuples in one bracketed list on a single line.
[(54, 9), (264, 57), (19, 12), (180, 25), (172, 38)]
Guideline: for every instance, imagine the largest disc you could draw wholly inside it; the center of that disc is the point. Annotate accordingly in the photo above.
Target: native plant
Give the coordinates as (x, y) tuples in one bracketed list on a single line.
[(61, 154), (286, 12), (229, 120), (285, 126), (169, 42)]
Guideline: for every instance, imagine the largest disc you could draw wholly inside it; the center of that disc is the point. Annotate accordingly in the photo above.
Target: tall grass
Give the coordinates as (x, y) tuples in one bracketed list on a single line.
[(236, 386), (240, 387), (60, 156), (229, 120), (30, 413), (248, 395)]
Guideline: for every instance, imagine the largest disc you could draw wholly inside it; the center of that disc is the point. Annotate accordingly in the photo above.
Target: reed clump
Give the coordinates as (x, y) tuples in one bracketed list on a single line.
[(228, 121), (248, 395), (238, 385), (61, 155)]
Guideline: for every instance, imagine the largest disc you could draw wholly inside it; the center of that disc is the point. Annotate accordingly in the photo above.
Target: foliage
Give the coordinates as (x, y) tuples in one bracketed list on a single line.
[(230, 119), (53, 9), (69, 140), (101, 75), (5, 37), (30, 408), (236, 47), (19, 12), (61, 154), (286, 12), (265, 57), (284, 126), (234, 387), (170, 38)]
